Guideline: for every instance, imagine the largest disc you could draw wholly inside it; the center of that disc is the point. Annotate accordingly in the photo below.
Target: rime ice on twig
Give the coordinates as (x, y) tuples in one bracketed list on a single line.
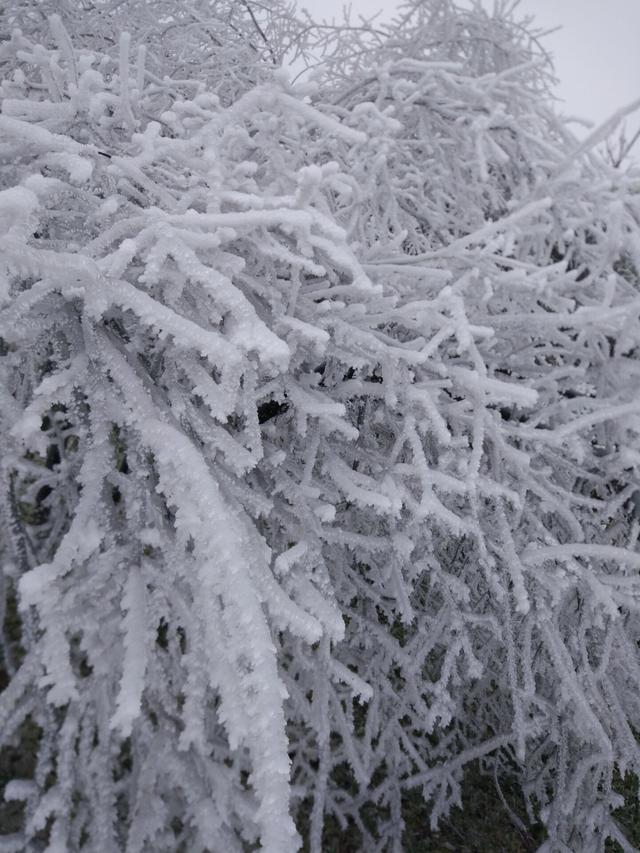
[(320, 449)]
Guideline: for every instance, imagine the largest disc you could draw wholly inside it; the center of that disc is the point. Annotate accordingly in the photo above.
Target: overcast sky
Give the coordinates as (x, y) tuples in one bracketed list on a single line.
[(596, 53)]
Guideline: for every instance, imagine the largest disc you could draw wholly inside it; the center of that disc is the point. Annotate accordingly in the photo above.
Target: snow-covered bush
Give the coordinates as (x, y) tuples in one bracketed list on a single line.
[(319, 430)]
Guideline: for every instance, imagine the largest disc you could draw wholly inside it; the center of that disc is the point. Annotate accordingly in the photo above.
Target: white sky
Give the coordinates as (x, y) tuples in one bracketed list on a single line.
[(596, 54)]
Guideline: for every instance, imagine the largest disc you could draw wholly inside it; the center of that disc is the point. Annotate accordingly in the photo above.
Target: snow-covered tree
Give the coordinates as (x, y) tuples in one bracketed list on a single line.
[(319, 429)]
